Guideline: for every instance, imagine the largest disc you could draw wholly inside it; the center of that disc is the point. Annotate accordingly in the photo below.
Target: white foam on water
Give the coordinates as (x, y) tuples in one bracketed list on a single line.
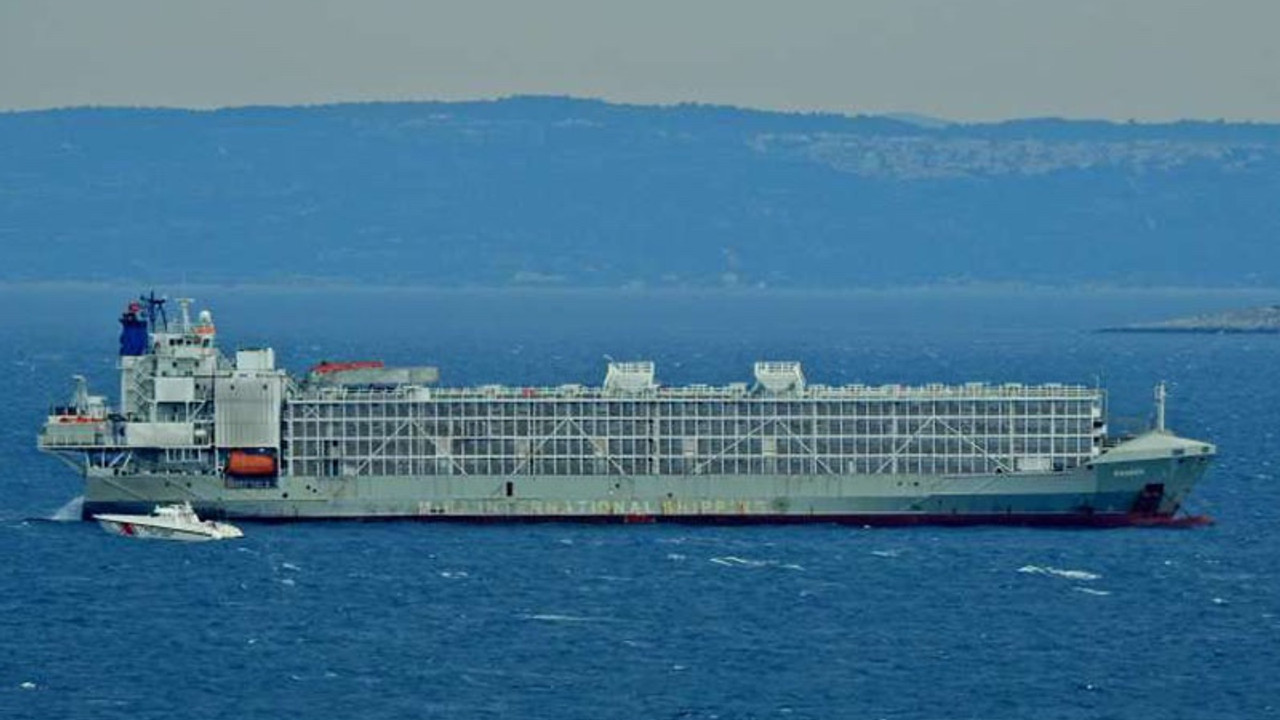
[(28, 685), (551, 617), (288, 581), (1091, 591), (886, 553), (70, 512), (743, 561), (1084, 575), (453, 574), (735, 561), (290, 566), (675, 556)]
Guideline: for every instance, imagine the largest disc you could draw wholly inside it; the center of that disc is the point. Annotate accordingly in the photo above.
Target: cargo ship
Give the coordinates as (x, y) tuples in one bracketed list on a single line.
[(237, 437)]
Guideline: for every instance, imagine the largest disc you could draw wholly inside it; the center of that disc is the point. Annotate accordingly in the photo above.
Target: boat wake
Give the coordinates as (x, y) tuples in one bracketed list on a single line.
[(70, 512)]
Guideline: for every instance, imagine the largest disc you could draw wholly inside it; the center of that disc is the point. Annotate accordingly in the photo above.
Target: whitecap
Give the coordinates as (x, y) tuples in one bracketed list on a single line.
[(453, 574), (675, 556), (290, 566), (1058, 572), (886, 553), (735, 560), (1091, 591), (28, 685), (551, 617)]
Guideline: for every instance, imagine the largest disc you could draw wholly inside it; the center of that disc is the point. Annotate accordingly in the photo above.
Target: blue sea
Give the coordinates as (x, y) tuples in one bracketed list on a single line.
[(401, 619)]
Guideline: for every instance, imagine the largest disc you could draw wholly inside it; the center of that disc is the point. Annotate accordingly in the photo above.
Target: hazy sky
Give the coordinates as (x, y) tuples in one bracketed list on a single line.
[(961, 59)]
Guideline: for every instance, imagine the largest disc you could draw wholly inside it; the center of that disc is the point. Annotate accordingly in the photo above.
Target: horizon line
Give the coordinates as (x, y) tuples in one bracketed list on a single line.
[(907, 117)]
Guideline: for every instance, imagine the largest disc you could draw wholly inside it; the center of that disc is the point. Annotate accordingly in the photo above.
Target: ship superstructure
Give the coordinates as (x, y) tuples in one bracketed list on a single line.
[(239, 437)]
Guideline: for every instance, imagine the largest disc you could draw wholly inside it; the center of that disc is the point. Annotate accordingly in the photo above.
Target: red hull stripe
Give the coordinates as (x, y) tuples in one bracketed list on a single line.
[(885, 520), (1083, 520)]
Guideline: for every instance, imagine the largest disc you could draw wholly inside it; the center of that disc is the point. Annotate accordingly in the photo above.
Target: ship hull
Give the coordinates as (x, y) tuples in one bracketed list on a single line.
[(1147, 491)]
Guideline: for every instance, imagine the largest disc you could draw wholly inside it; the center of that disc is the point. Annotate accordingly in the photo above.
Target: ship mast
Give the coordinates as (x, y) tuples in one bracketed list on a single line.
[(1161, 396)]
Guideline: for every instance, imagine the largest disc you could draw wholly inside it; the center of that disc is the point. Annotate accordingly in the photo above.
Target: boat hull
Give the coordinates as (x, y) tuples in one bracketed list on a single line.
[(138, 528)]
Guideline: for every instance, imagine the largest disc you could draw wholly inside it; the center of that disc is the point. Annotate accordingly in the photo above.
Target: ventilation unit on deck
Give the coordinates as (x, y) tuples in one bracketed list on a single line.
[(780, 377), (630, 377)]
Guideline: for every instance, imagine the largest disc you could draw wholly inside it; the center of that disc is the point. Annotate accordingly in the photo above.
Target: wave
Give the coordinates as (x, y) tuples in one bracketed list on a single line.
[(732, 560), (550, 617), (1058, 572), (735, 561)]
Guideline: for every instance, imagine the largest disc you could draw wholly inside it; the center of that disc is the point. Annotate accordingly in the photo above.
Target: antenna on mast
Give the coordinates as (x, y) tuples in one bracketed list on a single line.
[(155, 312)]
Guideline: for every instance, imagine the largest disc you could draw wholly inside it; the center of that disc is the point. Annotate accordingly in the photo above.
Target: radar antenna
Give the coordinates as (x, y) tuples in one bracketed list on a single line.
[(185, 304)]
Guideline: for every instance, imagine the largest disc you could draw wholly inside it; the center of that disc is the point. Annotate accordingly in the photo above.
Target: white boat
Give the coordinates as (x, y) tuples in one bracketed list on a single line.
[(168, 522)]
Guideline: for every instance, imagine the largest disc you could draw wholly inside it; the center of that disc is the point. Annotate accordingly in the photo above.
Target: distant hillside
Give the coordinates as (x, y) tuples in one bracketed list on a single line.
[(1247, 320), (572, 192)]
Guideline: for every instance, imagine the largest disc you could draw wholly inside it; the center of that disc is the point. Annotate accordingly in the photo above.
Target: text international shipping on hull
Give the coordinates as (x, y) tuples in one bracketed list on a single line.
[(240, 438)]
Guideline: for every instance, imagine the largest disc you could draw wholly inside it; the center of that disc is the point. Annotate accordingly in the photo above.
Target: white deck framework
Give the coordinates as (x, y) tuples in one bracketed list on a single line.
[(697, 430)]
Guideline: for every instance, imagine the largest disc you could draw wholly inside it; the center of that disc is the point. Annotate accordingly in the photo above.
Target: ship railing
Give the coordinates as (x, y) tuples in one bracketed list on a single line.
[(818, 392), (97, 442)]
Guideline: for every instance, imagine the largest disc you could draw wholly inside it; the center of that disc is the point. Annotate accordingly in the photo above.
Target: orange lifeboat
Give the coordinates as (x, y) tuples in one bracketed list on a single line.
[(251, 464)]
